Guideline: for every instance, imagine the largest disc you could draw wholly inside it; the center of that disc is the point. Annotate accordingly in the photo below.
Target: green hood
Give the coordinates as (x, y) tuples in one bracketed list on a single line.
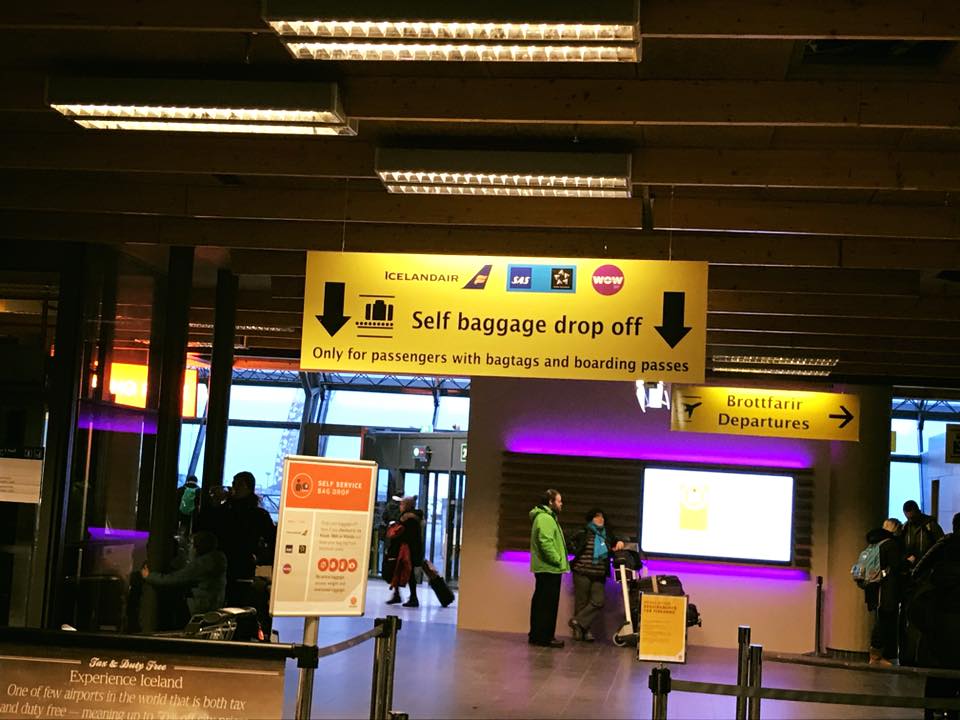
[(548, 549)]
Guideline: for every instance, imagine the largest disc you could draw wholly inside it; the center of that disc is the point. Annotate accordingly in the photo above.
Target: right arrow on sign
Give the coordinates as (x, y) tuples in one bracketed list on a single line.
[(333, 318), (846, 416), (672, 329)]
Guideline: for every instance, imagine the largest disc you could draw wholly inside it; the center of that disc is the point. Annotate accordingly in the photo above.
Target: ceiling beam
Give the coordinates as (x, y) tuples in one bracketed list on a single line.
[(789, 251), (318, 205), (185, 153), (742, 341), (777, 20), (354, 158), (841, 281), (113, 15), (763, 103), (831, 169), (947, 332), (685, 19), (832, 305), (814, 218), (676, 213), (796, 103)]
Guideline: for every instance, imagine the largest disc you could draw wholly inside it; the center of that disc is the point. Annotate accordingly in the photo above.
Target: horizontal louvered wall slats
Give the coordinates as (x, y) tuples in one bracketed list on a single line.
[(612, 484)]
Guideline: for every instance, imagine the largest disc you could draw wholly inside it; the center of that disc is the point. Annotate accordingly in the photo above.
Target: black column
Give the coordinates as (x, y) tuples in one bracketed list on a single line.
[(64, 391), (221, 377), (158, 324), (163, 515)]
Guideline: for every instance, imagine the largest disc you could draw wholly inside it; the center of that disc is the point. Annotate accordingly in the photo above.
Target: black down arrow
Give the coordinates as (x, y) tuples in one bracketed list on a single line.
[(847, 416), (672, 329), (333, 318)]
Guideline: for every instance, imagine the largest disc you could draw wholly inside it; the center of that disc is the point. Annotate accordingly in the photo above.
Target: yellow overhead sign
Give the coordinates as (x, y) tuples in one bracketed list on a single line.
[(770, 413), (522, 317)]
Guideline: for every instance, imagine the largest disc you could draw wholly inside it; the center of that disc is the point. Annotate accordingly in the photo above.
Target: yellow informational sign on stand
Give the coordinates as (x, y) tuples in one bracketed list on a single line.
[(323, 537), (769, 413), (501, 316), (663, 628)]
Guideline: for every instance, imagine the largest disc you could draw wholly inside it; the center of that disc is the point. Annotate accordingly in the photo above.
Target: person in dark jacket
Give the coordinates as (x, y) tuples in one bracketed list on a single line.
[(935, 611), (920, 533), (883, 597), (592, 549), (204, 578), (245, 531), (405, 549)]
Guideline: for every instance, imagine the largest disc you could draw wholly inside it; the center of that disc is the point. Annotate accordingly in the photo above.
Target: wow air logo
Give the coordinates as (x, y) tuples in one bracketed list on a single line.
[(607, 279)]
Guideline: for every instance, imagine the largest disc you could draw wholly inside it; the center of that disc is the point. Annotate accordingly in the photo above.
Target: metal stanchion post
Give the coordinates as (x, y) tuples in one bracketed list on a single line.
[(660, 687), (817, 646), (393, 627), (743, 668), (311, 631), (755, 679), (378, 706)]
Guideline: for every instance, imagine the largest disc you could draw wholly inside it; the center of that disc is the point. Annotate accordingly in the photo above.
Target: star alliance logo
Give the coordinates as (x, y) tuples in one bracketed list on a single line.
[(561, 278)]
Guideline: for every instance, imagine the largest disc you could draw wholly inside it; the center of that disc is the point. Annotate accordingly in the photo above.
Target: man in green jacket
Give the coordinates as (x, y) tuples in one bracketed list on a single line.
[(548, 562)]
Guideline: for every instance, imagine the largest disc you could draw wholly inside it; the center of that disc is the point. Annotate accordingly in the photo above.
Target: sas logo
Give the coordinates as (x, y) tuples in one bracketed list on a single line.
[(479, 281), (541, 278), (520, 278), (608, 279)]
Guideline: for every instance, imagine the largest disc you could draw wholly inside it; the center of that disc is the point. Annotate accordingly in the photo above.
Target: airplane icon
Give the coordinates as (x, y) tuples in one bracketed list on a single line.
[(688, 408)]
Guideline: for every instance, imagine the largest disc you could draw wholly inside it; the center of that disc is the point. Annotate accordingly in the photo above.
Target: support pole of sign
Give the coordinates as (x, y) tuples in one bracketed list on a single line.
[(743, 668), (660, 687), (311, 632)]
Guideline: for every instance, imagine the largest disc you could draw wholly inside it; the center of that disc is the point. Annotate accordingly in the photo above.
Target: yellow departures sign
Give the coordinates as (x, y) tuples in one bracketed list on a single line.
[(770, 413), (588, 319)]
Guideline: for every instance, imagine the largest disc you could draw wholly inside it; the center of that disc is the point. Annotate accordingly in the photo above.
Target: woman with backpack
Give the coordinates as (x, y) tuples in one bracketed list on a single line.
[(882, 590)]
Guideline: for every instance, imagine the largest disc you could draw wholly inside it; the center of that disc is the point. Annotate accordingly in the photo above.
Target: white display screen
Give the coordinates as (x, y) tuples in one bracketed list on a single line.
[(717, 514)]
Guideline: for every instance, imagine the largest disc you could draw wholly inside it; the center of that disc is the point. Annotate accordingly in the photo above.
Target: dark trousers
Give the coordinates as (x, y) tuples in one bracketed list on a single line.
[(589, 596), (543, 607), (884, 636)]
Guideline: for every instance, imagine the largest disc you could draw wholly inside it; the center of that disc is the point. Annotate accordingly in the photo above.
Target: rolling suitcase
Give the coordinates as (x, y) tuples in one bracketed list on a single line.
[(437, 584)]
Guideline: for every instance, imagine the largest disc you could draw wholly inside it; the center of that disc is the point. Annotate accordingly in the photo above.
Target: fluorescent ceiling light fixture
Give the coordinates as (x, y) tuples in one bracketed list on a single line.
[(429, 30), (423, 52), (201, 105), (521, 174), (774, 371), (775, 360)]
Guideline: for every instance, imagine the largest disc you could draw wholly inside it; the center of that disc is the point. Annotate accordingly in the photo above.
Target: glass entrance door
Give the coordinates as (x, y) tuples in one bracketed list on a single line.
[(440, 497)]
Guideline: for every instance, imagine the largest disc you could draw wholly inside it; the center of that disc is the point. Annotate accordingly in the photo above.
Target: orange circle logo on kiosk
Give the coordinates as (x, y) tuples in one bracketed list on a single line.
[(302, 485), (337, 565), (353, 600), (607, 279), (287, 569)]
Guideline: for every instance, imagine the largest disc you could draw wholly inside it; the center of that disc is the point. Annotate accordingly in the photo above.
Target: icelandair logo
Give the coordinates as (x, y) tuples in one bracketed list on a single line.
[(607, 279), (479, 281)]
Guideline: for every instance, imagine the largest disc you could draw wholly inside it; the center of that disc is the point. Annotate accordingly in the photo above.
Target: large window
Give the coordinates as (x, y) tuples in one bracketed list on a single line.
[(396, 410)]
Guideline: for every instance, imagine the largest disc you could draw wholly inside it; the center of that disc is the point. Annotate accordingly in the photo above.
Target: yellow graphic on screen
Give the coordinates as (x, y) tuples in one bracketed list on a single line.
[(693, 506)]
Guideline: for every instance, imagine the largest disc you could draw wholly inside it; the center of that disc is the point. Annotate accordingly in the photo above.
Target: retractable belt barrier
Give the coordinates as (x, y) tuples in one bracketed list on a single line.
[(749, 691)]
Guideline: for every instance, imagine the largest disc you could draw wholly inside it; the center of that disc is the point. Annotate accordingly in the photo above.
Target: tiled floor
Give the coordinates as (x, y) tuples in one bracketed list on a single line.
[(443, 673)]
